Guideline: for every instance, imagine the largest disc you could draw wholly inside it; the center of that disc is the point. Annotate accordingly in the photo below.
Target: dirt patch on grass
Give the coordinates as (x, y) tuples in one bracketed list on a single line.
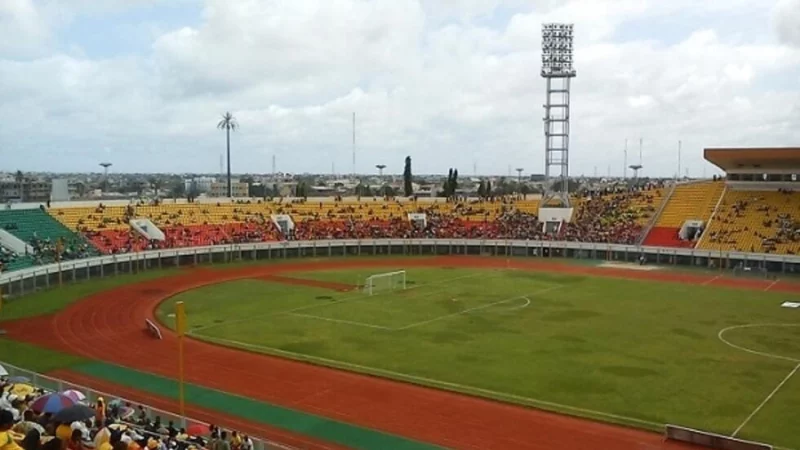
[(628, 266), (339, 287)]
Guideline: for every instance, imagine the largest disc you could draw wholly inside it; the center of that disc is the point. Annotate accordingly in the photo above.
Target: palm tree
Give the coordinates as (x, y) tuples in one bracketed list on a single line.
[(228, 123)]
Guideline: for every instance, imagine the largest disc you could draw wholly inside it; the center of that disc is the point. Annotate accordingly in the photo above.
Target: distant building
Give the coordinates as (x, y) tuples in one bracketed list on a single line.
[(60, 191), (203, 184), (25, 191), (221, 189)]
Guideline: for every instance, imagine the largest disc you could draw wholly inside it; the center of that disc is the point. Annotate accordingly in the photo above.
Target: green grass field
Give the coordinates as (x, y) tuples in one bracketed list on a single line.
[(635, 352)]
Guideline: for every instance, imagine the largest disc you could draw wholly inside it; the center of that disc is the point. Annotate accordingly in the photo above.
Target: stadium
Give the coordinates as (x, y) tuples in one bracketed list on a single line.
[(626, 314), (402, 323)]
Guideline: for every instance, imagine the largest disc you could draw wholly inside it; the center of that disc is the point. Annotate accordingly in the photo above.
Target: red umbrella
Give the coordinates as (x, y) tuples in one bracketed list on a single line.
[(197, 429)]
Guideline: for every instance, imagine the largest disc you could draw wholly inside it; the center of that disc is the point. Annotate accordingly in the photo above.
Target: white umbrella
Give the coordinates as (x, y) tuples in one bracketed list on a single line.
[(3, 371), (74, 395)]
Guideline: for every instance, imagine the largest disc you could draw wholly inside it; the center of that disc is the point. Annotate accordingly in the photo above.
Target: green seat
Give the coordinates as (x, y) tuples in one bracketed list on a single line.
[(27, 224)]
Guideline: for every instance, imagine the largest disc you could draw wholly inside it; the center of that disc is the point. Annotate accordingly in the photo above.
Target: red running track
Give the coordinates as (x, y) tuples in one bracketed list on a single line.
[(108, 326)]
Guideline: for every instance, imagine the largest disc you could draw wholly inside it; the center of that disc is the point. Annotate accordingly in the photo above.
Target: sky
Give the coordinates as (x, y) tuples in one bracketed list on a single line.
[(452, 83)]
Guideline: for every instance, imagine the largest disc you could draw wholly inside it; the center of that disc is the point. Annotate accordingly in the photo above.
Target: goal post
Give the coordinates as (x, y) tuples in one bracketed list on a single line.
[(389, 281)]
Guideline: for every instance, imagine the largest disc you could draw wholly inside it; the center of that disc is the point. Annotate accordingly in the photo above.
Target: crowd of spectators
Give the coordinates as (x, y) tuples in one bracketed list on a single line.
[(79, 425), (6, 257), (49, 250), (776, 227), (178, 236), (601, 219)]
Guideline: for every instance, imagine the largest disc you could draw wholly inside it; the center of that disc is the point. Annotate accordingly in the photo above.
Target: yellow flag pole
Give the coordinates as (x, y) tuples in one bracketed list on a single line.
[(59, 249), (180, 327)]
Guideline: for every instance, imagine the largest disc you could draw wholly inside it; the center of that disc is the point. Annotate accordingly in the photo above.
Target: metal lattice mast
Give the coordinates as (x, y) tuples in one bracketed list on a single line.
[(557, 71)]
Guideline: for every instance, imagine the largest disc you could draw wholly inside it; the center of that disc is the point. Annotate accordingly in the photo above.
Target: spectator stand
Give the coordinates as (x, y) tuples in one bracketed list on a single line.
[(760, 209), (147, 421)]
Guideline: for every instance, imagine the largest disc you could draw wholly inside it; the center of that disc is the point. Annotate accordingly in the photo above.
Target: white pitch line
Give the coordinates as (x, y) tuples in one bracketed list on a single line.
[(769, 397), (711, 280), (515, 308), (429, 382), (721, 337), (770, 285), (476, 308), (348, 322), (341, 300)]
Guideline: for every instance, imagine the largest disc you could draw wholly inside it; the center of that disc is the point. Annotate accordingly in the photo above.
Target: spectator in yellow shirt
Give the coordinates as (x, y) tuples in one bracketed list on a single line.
[(7, 441)]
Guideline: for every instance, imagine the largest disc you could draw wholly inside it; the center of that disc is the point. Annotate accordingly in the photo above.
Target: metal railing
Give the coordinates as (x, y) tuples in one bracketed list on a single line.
[(21, 282), (57, 385)]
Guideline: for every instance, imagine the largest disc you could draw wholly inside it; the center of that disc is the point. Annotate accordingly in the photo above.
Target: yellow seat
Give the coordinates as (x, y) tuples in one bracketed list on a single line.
[(692, 201), (747, 220)]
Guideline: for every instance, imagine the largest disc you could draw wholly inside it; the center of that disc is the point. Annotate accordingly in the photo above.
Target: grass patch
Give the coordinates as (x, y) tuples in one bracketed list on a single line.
[(55, 299), (633, 352), (34, 358)]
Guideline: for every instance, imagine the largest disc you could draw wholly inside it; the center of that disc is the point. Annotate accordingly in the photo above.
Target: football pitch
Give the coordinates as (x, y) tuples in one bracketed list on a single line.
[(641, 353)]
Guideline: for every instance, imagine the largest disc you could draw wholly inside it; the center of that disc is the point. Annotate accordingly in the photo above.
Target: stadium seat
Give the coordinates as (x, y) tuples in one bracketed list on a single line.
[(37, 228), (755, 221), (689, 201)]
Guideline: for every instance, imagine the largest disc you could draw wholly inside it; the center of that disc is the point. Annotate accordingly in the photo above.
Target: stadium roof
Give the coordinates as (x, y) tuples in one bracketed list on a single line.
[(754, 158)]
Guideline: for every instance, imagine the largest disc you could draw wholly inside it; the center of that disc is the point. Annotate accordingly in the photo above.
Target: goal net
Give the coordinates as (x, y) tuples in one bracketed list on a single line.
[(381, 282)]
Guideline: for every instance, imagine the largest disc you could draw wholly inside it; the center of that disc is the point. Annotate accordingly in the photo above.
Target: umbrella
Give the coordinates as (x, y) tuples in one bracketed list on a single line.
[(21, 390), (19, 379), (74, 413), (75, 395), (52, 403), (3, 371), (197, 429)]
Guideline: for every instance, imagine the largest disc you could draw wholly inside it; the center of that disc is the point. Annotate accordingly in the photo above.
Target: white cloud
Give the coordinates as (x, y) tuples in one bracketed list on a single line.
[(434, 79), (24, 28), (786, 16)]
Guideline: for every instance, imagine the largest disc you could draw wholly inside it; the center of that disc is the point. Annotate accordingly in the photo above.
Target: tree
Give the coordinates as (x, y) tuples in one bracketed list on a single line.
[(362, 190), (178, 189), (448, 184), (454, 186), (488, 188), (256, 190), (408, 188), (275, 191), (481, 190), (155, 183), (19, 177), (194, 191), (388, 191), (228, 123)]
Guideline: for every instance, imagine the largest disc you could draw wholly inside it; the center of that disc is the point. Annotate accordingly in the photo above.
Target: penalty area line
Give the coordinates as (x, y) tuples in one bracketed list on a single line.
[(436, 384), (348, 322), (477, 308), (770, 285), (769, 397)]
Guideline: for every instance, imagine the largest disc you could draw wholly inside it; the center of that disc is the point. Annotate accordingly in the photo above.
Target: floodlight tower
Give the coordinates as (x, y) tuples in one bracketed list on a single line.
[(105, 166), (557, 70)]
